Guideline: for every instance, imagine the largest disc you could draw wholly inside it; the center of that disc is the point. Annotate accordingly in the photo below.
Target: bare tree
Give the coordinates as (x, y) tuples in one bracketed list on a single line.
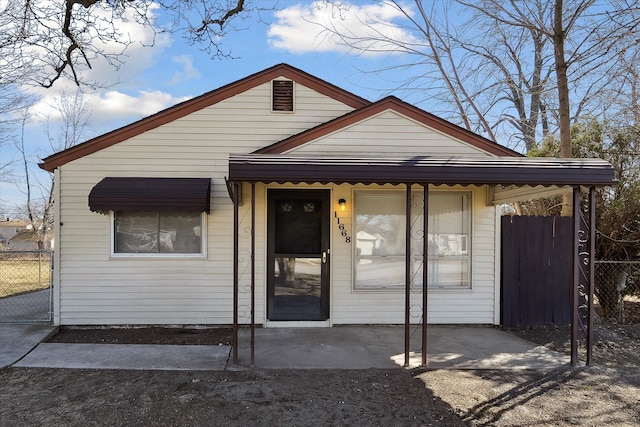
[(584, 34), (11, 103), (621, 99), (488, 77), (41, 42), (517, 59), (74, 118), (523, 65), (74, 115)]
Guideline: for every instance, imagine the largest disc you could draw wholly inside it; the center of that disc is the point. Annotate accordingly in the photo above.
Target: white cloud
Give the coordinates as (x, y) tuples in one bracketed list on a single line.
[(188, 71), (129, 101), (116, 45), (363, 29), (112, 105)]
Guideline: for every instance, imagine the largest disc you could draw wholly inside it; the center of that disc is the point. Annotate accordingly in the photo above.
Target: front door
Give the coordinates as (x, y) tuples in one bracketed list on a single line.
[(298, 255)]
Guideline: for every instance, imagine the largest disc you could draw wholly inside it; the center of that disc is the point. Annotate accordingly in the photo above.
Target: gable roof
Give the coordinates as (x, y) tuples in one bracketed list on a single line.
[(399, 106), (13, 223), (187, 107)]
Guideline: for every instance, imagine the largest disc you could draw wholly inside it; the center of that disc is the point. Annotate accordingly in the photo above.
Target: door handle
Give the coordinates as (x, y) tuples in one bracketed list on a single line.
[(324, 257)]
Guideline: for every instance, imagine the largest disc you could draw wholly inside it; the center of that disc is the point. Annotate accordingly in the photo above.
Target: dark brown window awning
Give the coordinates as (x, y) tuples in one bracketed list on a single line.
[(151, 194), (421, 170)]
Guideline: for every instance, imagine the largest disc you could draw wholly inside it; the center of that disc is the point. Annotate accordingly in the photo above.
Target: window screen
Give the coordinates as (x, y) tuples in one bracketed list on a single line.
[(158, 233), (380, 240)]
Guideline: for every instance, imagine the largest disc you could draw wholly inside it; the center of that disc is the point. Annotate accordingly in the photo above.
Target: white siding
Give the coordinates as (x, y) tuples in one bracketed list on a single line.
[(389, 133), (95, 289), (475, 305)]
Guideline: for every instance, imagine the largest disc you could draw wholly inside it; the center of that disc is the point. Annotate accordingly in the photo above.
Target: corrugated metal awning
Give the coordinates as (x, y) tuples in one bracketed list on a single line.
[(421, 169), (151, 194)]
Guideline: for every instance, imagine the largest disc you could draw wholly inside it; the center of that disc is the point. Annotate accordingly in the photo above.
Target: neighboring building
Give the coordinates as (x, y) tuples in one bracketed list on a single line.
[(10, 228), (28, 240), (25, 241), (148, 232)]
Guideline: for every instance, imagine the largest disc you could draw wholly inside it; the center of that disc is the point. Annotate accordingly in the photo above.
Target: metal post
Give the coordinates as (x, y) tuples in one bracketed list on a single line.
[(407, 277), (253, 274), (425, 270), (236, 191), (592, 272), (575, 276)]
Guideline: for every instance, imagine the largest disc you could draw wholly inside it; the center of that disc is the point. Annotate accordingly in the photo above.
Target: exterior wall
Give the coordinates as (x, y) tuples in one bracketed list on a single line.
[(475, 305), (8, 229), (373, 137), (348, 306), (97, 289)]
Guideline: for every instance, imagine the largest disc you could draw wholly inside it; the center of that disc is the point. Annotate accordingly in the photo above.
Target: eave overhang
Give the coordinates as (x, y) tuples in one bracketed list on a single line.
[(519, 171), (198, 103)]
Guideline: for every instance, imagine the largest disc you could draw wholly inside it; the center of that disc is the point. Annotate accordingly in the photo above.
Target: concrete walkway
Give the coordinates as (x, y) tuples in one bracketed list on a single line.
[(17, 340), (353, 347), (128, 356)]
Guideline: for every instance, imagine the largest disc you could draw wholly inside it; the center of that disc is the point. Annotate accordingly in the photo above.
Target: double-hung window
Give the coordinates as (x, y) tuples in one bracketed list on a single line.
[(380, 218), (154, 216), (158, 233)]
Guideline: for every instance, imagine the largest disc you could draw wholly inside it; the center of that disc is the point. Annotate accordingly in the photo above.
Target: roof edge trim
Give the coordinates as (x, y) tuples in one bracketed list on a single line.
[(399, 106), (205, 100)]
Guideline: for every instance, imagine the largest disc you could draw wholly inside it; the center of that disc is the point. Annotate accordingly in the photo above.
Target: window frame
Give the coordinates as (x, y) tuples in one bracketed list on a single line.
[(201, 255), (401, 288)]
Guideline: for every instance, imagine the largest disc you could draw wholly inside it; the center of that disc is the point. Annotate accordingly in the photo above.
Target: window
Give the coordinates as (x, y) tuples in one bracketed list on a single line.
[(380, 240), (158, 233)]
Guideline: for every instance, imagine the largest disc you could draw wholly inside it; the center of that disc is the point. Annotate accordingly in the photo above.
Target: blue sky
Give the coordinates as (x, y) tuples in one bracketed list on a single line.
[(155, 78)]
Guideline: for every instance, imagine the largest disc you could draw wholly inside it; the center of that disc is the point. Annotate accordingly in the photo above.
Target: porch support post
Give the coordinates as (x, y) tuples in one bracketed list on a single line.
[(592, 272), (575, 276), (425, 270), (236, 199), (407, 277), (253, 274)]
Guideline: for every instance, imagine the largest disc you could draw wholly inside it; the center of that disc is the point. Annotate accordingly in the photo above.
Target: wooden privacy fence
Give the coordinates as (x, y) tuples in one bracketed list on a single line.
[(536, 270)]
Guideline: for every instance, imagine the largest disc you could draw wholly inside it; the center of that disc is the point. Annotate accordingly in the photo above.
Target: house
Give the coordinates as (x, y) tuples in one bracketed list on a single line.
[(10, 228), (281, 199), (26, 240)]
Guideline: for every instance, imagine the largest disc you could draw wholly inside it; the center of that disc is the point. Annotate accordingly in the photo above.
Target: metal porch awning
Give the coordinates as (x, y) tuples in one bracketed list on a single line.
[(421, 170), (574, 173)]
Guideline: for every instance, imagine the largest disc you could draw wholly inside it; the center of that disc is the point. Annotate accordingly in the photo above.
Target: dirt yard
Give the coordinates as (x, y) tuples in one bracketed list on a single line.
[(608, 394)]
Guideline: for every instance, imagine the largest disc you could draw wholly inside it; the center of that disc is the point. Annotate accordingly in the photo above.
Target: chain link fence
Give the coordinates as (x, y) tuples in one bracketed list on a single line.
[(617, 292), (25, 286)]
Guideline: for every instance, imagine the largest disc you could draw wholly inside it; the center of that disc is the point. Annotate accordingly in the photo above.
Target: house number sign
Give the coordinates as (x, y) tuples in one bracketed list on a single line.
[(344, 233)]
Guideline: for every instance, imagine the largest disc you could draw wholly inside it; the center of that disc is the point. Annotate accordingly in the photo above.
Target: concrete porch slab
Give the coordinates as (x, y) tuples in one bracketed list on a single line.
[(340, 347), (361, 347)]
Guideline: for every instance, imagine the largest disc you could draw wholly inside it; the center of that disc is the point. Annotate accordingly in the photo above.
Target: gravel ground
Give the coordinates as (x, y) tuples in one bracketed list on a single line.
[(607, 394)]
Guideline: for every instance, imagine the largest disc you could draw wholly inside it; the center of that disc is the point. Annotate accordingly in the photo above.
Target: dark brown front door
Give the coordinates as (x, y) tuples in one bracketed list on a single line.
[(298, 255)]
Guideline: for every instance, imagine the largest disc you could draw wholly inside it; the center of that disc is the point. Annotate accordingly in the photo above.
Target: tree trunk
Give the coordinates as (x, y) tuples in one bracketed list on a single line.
[(559, 36)]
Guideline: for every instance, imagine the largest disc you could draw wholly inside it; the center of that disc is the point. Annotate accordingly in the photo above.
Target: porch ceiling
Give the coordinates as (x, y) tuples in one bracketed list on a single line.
[(504, 171)]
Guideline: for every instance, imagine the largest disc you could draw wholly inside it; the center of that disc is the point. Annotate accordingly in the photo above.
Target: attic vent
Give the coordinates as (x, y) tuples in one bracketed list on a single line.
[(282, 95)]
